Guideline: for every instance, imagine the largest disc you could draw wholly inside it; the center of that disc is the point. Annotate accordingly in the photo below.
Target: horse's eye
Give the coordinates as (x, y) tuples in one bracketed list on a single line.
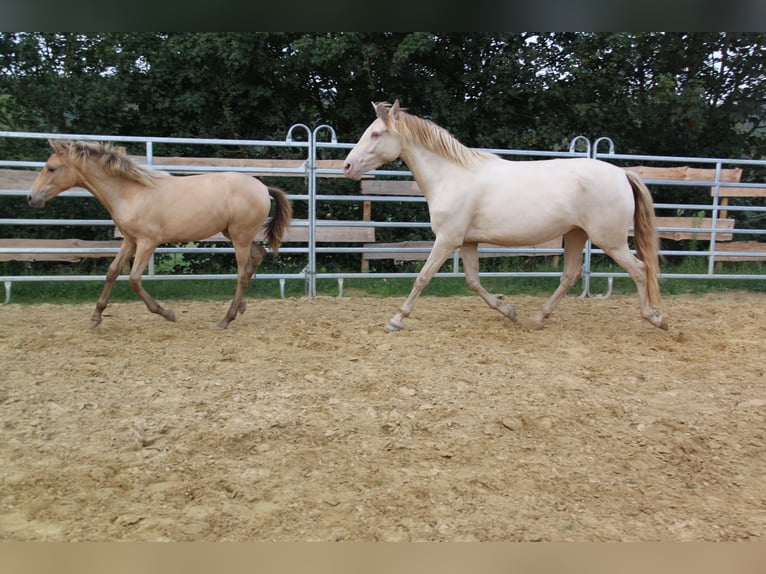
[(50, 169), (375, 135)]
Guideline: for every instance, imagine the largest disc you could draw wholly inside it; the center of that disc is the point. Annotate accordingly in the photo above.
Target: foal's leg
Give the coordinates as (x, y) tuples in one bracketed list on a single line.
[(248, 260), (470, 255), (637, 270), (257, 255), (574, 241), (127, 249), (143, 254), (439, 254)]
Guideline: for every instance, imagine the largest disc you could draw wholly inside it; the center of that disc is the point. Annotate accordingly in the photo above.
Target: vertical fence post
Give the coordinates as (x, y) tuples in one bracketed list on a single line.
[(715, 215), (311, 166), (149, 160), (310, 269)]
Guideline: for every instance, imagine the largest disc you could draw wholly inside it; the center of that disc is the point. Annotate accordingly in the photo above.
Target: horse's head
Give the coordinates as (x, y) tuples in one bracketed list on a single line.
[(379, 144), (56, 176)]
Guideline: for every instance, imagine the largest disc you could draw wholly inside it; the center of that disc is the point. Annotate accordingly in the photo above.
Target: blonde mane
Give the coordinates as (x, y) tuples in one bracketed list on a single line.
[(437, 139), (112, 160)]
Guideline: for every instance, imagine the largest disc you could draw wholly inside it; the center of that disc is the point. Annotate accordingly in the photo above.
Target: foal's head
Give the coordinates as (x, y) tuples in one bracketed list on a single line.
[(68, 162), (56, 175)]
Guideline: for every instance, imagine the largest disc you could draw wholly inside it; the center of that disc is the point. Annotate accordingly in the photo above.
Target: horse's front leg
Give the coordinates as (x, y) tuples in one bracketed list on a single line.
[(127, 249), (470, 255), (143, 254), (439, 254)]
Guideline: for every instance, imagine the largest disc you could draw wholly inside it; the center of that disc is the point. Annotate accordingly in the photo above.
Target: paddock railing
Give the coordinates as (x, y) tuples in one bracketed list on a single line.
[(314, 170)]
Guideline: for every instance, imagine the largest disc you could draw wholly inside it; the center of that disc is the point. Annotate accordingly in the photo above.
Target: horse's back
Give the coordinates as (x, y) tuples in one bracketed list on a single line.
[(568, 181), (517, 202), (215, 187), (188, 208)]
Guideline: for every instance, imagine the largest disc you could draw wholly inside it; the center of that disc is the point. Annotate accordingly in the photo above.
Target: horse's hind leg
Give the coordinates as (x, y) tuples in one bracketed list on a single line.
[(257, 255), (637, 270), (470, 255), (574, 241), (248, 260)]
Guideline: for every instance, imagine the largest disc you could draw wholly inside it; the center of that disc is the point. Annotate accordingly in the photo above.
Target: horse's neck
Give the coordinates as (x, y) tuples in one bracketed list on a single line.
[(109, 190), (428, 167)]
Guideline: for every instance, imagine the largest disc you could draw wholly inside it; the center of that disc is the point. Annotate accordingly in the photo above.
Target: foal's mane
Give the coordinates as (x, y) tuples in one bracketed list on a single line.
[(112, 160), (437, 139)]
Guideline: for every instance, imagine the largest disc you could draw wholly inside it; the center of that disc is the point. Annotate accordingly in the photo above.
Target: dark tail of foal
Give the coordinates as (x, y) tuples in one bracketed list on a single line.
[(647, 240), (280, 221)]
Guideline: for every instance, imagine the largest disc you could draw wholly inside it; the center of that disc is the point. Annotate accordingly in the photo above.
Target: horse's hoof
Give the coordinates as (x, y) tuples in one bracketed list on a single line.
[(95, 322), (393, 327), (223, 324), (170, 316), (508, 311)]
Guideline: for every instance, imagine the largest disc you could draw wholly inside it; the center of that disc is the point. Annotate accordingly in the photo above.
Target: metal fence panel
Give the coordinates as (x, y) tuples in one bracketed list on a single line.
[(315, 178)]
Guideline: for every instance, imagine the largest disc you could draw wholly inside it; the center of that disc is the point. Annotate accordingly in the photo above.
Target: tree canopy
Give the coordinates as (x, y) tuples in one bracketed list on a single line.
[(686, 94)]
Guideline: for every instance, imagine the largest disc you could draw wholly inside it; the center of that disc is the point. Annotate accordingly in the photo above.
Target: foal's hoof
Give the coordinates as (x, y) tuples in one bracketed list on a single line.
[(95, 321), (394, 325), (170, 316), (660, 321)]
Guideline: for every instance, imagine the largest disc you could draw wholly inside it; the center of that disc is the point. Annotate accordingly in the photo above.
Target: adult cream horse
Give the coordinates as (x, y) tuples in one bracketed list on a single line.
[(151, 207), (475, 197)]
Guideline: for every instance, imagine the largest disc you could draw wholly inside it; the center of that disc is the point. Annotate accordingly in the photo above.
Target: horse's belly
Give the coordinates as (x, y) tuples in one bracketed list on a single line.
[(517, 230)]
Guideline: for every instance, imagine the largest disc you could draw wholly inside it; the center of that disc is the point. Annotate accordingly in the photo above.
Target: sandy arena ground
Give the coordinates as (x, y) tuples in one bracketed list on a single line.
[(307, 421)]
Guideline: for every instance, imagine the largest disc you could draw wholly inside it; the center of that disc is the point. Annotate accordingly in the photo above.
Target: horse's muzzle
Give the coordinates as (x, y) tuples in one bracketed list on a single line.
[(36, 200), (350, 172)]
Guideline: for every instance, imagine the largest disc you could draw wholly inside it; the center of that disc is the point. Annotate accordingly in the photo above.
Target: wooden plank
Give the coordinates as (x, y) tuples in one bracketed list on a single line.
[(390, 187), (22, 243), (686, 173), (253, 164), (399, 256), (328, 234), (300, 234), (752, 246), (21, 179), (555, 243), (739, 191), (693, 222)]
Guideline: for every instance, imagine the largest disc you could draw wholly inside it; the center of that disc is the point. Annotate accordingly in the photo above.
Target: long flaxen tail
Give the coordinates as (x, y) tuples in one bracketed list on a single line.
[(646, 237), (280, 221)]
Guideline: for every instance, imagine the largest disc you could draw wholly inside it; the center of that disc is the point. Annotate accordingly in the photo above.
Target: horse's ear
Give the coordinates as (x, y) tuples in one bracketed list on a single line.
[(394, 112), (58, 146), (381, 110)]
